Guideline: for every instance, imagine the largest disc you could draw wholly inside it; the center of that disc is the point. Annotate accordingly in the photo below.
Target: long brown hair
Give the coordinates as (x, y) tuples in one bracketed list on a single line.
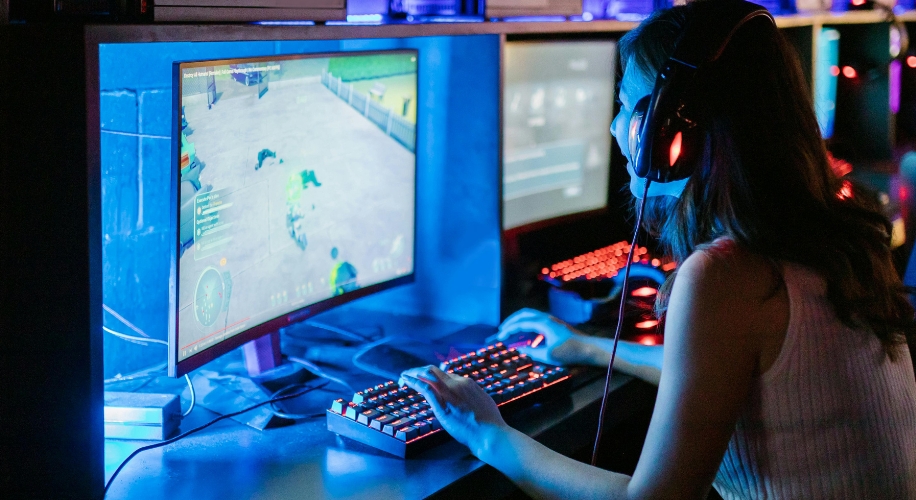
[(764, 179)]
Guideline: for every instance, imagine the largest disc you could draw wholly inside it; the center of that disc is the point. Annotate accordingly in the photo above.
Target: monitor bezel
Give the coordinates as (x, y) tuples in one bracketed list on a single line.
[(178, 368), (556, 220)]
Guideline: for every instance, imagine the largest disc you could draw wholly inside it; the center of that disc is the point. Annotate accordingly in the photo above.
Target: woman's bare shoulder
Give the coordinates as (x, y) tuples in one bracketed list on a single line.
[(730, 269)]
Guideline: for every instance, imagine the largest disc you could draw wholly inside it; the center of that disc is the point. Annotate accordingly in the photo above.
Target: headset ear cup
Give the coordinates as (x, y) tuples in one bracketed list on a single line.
[(635, 131), (689, 148)]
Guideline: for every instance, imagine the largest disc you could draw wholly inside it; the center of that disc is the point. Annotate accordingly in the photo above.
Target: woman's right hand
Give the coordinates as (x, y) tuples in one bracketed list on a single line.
[(562, 344)]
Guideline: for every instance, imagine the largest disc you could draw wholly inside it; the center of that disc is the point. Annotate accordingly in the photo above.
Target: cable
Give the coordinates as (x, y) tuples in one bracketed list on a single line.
[(369, 368), (143, 340), (317, 371), (346, 333), (122, 320), (136, 340), (152, 371), (623, 301), (202, 427), (193, 396), (293, 416)]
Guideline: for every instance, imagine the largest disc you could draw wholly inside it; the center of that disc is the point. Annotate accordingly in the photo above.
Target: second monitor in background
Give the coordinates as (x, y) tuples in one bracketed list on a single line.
[(557, 111)]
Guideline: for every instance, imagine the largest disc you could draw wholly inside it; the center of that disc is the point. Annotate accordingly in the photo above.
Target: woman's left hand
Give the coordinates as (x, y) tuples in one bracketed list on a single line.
[(461, 406)]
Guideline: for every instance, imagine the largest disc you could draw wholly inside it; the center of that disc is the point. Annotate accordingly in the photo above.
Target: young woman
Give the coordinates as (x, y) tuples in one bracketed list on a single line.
[(786, 373)]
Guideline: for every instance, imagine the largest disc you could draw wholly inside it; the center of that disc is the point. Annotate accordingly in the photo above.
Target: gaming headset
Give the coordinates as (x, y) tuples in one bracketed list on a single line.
[(663, 139)]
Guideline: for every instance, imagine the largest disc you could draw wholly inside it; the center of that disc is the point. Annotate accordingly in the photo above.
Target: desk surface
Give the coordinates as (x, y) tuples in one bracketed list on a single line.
[(304, 460)]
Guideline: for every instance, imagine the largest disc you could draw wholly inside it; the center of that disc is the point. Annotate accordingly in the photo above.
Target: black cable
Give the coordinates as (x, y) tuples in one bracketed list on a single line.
[(292, 416), (202, 427), (623, 301)]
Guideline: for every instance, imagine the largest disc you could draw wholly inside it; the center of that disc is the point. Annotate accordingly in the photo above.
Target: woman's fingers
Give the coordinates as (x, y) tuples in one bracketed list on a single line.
[(439, 374), (423, 386), (538, 354), (533, 325), (522, 315), (424, 372)]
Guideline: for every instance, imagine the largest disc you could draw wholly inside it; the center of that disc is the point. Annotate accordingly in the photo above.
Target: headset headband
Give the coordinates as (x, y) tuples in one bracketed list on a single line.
[(711, 26), (666, 141)]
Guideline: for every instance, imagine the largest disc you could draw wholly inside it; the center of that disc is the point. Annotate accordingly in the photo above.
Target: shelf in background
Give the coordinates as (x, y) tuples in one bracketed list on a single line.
[(166, 32)]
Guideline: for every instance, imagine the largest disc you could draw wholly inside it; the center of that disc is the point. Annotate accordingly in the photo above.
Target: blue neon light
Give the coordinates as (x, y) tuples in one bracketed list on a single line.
[(825, 80)]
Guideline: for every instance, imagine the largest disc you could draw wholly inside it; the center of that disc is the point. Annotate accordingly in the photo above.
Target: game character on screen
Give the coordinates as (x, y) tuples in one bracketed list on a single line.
[(343, 275)]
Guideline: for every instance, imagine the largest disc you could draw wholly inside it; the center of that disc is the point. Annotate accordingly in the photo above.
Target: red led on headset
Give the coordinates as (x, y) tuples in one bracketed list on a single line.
[(675, 151)]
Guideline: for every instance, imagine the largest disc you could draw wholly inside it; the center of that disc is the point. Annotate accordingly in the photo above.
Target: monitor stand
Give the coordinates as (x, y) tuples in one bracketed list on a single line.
[(262, 354), (227, 393)]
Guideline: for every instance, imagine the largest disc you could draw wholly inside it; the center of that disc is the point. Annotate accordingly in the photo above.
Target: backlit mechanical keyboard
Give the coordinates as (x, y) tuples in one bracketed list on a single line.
[(398, 420), (601, 264)]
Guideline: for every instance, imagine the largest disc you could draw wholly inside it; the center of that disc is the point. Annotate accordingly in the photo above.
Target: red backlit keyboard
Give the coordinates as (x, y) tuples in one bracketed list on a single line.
[(398, 420), (601, 264)]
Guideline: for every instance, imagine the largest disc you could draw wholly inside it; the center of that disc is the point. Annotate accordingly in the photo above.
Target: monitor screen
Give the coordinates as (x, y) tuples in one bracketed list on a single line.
[(557, 106), (295, 184)]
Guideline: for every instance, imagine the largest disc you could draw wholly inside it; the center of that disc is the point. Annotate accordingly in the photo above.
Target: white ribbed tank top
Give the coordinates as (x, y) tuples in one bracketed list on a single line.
[(831, 418)]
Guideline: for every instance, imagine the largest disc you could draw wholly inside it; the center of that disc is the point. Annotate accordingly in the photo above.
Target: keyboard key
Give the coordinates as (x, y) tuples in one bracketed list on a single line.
[(382, 421), (407, 433), (367, 416), (422, 427), (351, 410), (338, 405), (398, 414), (391, 428)]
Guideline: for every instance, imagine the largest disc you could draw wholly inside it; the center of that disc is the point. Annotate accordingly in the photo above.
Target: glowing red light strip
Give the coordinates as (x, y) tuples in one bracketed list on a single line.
[(216, 332)]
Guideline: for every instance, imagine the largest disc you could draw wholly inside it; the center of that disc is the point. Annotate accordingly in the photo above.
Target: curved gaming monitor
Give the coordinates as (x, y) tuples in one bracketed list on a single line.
[(294, 190)]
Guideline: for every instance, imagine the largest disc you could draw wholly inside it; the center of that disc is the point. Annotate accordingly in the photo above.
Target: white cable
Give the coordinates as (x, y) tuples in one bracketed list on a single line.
[(152, 371), (122, 320), (193, 396), (132, 338), (317, 371)]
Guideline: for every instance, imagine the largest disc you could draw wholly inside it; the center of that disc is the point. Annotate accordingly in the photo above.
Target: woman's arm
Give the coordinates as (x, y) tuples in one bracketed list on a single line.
[(709, 363), (564, 345), (641, 361), (544, 473)]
